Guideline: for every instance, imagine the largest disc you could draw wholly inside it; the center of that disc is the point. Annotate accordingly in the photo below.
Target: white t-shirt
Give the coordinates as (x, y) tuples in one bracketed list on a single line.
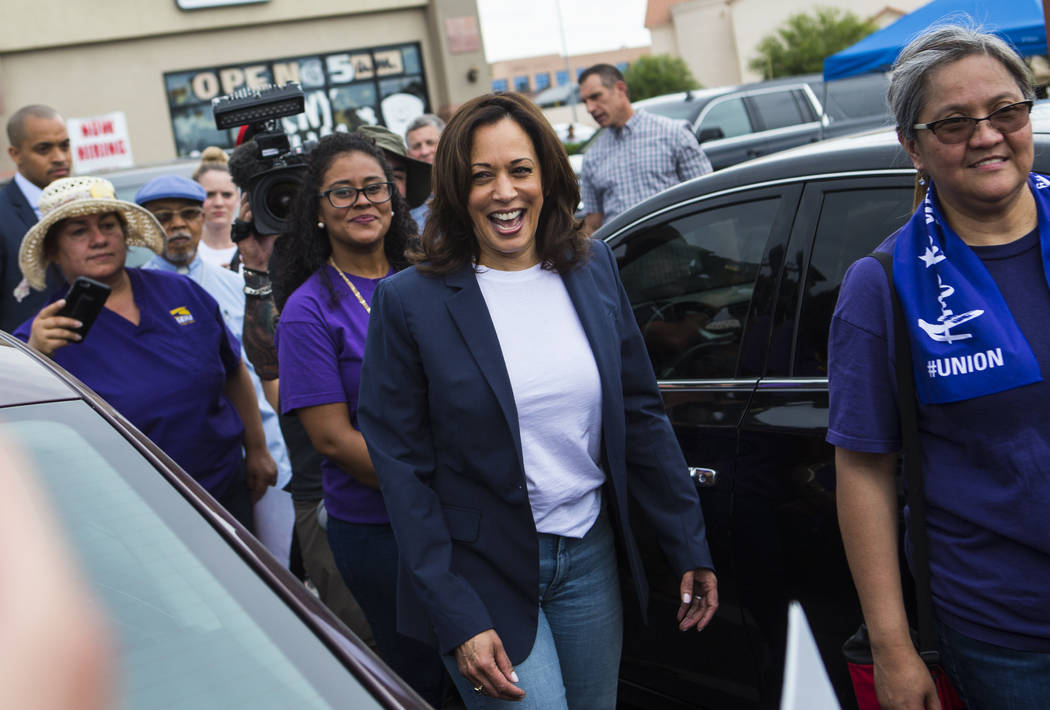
[(216, 257), (557, 393)]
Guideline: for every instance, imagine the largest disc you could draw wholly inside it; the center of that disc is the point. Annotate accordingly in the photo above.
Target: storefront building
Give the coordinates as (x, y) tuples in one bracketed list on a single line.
[(150, 70)]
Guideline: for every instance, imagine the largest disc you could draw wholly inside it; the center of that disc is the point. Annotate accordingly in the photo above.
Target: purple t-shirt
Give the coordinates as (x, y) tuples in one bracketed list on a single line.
[(320, 347), (986, 461)]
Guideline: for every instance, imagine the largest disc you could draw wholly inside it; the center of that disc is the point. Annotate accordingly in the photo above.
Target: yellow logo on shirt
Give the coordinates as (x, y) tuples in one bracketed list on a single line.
[(182, 315)]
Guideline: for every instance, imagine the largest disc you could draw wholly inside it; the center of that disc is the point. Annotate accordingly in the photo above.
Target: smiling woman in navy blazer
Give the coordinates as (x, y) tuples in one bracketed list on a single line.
[(510, 410)]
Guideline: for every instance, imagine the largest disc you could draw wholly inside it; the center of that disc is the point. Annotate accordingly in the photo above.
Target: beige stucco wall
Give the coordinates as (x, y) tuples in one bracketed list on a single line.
[(664, 40), (704, 33), (127, 74), (448, 74), (717, 38), (36, 24)]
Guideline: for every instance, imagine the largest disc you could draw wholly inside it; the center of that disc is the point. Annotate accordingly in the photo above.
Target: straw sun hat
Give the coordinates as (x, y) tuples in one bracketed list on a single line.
[(77, 197)]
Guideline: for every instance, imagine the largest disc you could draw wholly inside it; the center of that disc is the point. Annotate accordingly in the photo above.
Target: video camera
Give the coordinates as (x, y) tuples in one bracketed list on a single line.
[(272, 191)]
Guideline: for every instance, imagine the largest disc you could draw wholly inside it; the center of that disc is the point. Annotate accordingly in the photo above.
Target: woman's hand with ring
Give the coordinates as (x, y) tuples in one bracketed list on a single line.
[(699, 590), (482, 661)]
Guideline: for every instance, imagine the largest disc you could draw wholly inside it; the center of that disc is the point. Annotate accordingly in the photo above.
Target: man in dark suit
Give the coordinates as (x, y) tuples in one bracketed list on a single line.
[(39, 148)]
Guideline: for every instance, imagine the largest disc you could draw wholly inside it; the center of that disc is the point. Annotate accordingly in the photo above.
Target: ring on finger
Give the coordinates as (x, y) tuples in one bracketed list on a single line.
[(479, 689)]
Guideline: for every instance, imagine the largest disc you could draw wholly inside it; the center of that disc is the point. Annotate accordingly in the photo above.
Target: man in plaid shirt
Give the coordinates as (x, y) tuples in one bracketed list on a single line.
[(638, 155)]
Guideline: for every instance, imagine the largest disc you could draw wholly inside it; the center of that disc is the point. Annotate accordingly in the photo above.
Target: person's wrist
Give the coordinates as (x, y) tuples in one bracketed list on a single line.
[(893, 646), (255, 444), (256, 279)]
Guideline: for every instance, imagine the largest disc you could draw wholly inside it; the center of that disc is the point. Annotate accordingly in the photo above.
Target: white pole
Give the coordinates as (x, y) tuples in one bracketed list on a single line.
[(565, 53)]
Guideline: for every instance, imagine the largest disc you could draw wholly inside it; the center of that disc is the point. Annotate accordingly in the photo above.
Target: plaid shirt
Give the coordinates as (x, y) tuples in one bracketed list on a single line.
[(649, 154)]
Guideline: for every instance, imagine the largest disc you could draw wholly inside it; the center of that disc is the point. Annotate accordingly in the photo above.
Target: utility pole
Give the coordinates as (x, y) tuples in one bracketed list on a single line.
[(565, 53)]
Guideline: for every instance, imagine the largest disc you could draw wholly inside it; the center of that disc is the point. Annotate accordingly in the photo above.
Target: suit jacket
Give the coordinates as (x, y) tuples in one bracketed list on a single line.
[(16, 217), (437, 412)]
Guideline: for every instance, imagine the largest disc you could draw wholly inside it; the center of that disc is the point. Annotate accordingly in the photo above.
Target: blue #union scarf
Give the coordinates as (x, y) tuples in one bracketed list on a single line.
[(965, 342)]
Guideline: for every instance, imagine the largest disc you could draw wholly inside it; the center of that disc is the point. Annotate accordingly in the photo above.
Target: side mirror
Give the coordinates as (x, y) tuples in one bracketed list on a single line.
[(710, 134)]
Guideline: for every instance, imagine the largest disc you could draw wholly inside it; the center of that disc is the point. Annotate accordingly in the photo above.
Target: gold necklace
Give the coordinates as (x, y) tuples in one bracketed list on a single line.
[(353, 289)]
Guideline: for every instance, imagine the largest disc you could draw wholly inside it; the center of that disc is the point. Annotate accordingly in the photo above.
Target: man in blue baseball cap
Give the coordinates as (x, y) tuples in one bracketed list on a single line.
[(177, 203)]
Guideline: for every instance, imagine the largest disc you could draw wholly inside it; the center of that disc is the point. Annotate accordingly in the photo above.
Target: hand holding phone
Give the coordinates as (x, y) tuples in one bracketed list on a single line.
[(67, 320), (84, 301)]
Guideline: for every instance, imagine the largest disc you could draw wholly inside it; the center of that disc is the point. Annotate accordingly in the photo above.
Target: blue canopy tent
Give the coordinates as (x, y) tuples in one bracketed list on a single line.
[(1019, 22)]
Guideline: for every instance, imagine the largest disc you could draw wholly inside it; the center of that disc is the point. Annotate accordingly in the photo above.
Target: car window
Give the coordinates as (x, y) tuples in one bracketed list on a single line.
[(778, 109), (729, 116), (855, 97), (682, 109), (851, 224), (195, 625), (690, 282)]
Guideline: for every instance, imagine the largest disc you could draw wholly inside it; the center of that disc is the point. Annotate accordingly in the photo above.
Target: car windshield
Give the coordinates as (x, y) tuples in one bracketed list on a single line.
[(195, 625)]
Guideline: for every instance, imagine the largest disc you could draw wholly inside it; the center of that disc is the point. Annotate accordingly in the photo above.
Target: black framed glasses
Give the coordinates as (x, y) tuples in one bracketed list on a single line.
[(343, 196), (187, 214), (958, 129)]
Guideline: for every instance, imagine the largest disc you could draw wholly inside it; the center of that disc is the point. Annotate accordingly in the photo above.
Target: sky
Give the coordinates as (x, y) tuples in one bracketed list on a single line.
[(524, 28)]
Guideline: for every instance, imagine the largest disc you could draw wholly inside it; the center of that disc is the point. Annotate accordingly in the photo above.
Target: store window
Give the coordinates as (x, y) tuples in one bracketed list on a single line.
[(377, 85), (561, 78), (521, 83), (499, 84), (543, 81)]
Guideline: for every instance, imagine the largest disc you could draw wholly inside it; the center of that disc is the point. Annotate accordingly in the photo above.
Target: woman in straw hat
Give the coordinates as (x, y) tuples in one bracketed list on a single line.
[(159, 352)]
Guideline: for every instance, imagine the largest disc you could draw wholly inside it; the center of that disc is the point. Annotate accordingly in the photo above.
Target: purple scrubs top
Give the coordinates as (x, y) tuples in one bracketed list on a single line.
[(167, 375), (320, 346)]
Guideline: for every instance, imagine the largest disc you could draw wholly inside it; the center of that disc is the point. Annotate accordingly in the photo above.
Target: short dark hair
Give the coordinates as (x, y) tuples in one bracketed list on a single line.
[(305, 248), (606, 73), (449, 241), (16, 125)]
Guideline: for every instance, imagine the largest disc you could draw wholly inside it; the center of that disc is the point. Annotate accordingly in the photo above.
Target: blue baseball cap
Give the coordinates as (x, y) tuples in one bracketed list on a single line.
[(170, 187)]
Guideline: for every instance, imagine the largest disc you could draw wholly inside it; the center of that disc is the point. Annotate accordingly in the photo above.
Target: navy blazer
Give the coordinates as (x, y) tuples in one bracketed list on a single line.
[(438, 415), (16, 217)]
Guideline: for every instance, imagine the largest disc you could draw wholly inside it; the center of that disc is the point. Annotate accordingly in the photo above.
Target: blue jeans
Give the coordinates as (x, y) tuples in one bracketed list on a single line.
[(366, 555), (575, 661), (992, 677)]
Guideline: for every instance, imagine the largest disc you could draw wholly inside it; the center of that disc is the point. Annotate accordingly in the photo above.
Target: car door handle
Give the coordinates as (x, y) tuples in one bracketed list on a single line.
[(703, 477)]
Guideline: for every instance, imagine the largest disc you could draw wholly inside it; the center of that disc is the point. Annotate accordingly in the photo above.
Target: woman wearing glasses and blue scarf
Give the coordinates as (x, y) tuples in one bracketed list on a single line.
[(971, 269), (349, 231)]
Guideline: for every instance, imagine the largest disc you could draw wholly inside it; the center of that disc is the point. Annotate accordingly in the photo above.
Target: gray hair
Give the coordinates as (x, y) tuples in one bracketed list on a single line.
[(933, 49), (16, 125), (427, 119)]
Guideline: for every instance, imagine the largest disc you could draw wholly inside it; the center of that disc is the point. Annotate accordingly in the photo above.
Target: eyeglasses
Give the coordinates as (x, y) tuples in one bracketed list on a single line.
[(187, 214), (958, 129), (377, 193)]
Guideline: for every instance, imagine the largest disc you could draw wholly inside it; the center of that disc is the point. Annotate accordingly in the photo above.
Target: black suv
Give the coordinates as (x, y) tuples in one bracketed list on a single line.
[(733, 278)]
